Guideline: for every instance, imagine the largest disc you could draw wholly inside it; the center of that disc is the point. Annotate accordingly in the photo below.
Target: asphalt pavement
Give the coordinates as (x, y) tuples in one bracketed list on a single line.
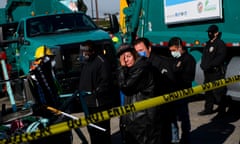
[(206, 129)]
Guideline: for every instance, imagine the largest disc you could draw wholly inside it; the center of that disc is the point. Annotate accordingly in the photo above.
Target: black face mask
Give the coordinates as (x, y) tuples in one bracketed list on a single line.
[(211, 35)]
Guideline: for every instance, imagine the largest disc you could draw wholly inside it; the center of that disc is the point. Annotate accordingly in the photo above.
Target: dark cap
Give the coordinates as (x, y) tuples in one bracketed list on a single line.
[(212, 28), (175, 41), (124, 48)]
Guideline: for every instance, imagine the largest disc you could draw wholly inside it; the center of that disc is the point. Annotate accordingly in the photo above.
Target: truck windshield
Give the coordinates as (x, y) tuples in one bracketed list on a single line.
[(52, 24)]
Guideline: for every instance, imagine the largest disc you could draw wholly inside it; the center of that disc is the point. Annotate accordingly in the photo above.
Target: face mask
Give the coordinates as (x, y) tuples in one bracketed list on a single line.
[(53, 63), (142, 53), (84, 57), (175, 54), (211, 36)]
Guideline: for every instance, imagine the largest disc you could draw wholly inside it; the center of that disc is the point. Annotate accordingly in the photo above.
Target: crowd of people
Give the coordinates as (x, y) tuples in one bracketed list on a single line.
[(142, 74), (167, 74)]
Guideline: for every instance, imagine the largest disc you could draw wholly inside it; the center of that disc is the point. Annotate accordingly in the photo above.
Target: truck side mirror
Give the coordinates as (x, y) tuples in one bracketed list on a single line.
[(4, 41), (19, 37)]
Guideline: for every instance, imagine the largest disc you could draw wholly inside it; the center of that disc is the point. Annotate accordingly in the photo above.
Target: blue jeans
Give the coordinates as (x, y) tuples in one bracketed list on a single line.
[(182, 115), (175, 133)]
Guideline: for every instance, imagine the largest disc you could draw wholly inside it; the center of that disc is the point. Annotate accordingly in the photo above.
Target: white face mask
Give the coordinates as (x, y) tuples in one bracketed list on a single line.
[(175, 54), (53, 63)]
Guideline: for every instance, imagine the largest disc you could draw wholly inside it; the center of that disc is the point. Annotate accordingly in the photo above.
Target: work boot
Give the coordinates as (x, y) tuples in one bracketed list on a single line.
[(219, 116), (205, 112)]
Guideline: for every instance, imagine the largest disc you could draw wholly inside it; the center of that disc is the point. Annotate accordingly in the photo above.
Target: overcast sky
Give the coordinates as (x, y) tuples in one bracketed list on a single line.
[(3, 3), (104, 6)]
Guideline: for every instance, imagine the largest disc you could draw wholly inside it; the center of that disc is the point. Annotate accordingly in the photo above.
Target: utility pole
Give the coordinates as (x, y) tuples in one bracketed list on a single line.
[(92, 8), (96, 4)]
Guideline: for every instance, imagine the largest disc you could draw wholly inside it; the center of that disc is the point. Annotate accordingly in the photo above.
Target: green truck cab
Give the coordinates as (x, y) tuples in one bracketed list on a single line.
[(27, 24)]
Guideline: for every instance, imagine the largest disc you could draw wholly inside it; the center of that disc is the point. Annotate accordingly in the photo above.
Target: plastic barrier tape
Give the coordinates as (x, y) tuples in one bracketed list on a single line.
[(119, 111)]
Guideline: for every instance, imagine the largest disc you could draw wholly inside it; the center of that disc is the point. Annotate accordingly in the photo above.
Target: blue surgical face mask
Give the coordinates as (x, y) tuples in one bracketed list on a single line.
[(142, 53)]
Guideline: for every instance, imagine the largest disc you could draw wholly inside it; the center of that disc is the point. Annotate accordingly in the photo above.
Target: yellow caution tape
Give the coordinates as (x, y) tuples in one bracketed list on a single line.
[(119, 111), (56, 111)]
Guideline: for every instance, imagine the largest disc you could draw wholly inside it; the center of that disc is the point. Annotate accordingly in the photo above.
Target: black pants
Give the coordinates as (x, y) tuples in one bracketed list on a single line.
[(218, 95), (165, 116), (182, 113), (98, 136)]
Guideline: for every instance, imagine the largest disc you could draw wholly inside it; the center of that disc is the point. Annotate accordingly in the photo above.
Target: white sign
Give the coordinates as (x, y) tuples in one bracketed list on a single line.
[(180, 11)]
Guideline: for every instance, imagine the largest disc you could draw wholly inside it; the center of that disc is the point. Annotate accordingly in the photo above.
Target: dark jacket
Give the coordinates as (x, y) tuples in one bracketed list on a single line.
[(165, 76), (214, 55), (137, 83), (165, 82), (96, 78), (184, 70)]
